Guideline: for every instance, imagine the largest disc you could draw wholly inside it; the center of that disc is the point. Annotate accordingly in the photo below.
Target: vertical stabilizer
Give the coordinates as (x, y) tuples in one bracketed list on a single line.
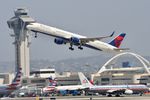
[(117, 41), (52, 82), (84, 81), (17, 80)]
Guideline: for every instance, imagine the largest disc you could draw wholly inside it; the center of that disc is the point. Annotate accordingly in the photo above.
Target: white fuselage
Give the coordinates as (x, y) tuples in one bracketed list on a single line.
[(55, 32), (71, 87), (109, 88)]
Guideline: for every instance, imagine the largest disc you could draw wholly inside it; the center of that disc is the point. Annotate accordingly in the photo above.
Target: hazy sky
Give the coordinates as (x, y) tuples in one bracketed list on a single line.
[(86, 17)]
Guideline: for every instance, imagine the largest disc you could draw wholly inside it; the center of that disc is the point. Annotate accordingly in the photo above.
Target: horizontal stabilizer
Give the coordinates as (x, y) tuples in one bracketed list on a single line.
[(118, 49)]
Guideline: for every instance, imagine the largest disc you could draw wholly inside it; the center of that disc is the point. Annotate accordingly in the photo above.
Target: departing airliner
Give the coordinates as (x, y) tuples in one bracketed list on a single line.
[(110, 90), (7, 89), (64, 37)]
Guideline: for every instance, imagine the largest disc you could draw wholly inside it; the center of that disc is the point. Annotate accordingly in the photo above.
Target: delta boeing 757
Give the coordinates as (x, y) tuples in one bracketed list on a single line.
[(64, 37)]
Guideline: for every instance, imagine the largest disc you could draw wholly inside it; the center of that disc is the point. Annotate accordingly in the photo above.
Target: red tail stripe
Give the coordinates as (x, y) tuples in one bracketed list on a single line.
[(17, 81)]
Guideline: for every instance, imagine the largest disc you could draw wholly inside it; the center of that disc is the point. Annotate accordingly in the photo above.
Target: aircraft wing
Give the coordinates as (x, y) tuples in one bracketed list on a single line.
[(51, 31), (85, 40)]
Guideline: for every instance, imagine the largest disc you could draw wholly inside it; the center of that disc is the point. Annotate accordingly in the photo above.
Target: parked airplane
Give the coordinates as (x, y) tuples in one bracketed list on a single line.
[(62, 90), (7, 89), (64, 37), (69, 89), (110, 90)]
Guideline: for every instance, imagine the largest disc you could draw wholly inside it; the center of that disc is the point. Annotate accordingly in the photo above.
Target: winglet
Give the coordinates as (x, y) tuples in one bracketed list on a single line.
[(112, 33)]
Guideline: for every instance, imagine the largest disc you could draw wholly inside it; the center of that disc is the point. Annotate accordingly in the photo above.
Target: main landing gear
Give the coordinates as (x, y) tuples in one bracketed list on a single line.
[(71, 47), (81, 48)]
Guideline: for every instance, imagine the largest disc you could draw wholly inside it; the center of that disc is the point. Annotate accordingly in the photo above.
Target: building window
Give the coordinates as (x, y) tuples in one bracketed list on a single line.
[(142, 79), (37, 81), (105, 79), (122, 79), (24, 81)]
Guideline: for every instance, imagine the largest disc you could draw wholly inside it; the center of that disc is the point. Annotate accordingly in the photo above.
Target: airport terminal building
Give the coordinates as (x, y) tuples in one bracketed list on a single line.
[(119, 76), (110, 74)]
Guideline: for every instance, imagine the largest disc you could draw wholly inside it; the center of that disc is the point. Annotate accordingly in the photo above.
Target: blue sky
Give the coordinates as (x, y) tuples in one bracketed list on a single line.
[(86, 17)]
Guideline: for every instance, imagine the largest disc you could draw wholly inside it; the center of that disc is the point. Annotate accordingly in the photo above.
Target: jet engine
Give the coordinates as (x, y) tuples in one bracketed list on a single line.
[(59, 41), (127, 91), (75, 40)]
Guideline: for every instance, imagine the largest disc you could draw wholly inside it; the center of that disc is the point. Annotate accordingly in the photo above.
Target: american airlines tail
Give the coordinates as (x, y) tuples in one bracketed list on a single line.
[(51, 86), (17, 79), (117, 41), (52, 82), (84, 81)]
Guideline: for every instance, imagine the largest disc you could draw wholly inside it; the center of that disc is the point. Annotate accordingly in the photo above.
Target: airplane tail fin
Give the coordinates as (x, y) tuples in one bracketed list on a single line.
[(17, 80), (117, 41), (84, 81)]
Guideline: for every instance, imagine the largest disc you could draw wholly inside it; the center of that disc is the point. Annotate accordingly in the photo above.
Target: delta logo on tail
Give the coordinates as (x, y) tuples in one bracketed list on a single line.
[(117, 41)]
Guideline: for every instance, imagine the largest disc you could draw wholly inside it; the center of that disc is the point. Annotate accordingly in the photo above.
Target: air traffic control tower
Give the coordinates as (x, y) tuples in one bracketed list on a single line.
[(22, 39)]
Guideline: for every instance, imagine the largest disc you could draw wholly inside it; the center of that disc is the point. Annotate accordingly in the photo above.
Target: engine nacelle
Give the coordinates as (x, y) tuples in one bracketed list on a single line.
[(63, 92), (59, 41), (75, 40), (128, 91)]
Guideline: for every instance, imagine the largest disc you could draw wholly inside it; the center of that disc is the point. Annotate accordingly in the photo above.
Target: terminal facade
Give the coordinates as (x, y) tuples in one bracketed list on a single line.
[(123, 75)]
